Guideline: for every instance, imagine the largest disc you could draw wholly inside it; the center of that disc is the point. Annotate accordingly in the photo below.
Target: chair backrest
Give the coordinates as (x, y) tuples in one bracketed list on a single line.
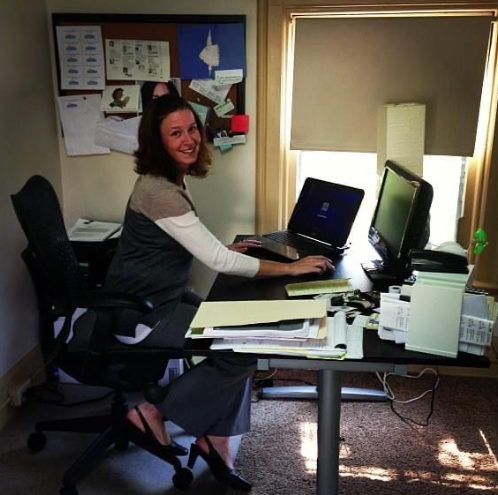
[(39, 213), (54, 268)]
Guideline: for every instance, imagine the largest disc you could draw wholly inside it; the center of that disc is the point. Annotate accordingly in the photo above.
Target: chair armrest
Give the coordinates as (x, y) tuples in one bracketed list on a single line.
[(105, 299)]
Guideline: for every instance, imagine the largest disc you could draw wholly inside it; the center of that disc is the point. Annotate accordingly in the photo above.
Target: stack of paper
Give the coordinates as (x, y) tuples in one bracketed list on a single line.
[(394, 319), (446, 320), (85, 230), (477, 324), (298, 328), (342, 342)]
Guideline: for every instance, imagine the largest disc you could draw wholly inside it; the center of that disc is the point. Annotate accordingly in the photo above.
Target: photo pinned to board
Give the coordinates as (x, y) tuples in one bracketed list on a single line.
[(120, 99)]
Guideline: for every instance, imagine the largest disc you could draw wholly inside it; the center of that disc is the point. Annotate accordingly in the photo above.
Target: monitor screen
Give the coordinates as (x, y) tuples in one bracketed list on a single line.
[(399, 223), (326, 211)]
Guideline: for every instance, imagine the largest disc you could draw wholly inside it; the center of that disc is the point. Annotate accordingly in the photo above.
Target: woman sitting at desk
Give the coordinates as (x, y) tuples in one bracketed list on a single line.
[(161, 235)]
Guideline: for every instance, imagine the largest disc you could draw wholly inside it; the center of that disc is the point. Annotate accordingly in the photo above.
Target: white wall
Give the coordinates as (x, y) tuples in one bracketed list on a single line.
[(28, 144), (98, 187)]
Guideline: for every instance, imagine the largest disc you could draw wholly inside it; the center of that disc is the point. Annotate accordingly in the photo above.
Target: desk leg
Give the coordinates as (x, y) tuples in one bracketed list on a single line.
[(329, 422)]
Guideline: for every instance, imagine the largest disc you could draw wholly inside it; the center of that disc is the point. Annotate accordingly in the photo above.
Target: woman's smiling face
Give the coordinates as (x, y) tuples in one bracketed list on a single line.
[(181, 139)]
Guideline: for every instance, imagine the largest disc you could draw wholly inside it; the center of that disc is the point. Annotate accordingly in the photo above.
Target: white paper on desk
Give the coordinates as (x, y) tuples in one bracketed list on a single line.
[(385, 333), (400, 337), (85, 230), (294, 328), (340, 335), (79, 116), (475, 330), (337, 330), (275, 344), (475, 305), (210, 89), (229, 313), (355, 338), (394, 313), (118, 134)]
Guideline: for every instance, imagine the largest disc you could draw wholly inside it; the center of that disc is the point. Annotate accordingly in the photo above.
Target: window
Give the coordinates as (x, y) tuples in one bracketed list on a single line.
[(277, 159), (446, 174)]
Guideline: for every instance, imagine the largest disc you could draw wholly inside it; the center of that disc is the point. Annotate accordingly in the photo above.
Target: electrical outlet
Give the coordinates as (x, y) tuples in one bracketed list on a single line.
[(17, 393)]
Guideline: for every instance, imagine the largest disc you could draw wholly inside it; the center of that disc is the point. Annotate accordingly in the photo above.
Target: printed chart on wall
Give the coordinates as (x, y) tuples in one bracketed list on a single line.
[(111, 67)]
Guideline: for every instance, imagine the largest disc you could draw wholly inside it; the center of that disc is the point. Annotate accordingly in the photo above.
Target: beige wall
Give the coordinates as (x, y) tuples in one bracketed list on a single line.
[(28, 144), (98, 187)]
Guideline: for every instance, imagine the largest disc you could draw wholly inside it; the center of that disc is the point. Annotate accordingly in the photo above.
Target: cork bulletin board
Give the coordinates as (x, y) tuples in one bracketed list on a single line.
[(174, 30)]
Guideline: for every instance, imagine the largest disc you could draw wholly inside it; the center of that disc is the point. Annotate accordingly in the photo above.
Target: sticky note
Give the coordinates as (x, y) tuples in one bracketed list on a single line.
[(240, 123)]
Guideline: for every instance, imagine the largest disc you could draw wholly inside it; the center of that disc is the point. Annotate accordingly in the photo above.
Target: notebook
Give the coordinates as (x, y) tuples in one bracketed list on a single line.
[(320, 222)]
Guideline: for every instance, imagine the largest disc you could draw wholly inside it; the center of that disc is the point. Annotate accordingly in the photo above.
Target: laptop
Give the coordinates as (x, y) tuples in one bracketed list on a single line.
[(320, 223)]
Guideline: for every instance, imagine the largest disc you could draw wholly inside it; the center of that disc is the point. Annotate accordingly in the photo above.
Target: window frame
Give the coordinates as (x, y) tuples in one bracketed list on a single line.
[(276, 163)]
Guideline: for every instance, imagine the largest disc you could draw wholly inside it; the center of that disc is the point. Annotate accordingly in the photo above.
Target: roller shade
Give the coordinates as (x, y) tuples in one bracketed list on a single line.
[(345, 70)]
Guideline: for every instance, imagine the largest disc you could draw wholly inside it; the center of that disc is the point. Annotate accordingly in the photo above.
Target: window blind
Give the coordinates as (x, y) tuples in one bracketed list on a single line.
[(345, 70)]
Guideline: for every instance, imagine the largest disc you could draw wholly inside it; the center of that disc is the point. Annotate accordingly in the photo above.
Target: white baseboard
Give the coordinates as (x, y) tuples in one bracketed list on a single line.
[(22, 371)]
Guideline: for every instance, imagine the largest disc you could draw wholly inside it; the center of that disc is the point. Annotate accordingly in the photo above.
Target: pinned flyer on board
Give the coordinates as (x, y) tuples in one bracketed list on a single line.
[(233, 76), (79, 116), (81, 57), (137, 60), (229, 140), (224, 108), (210, 89), (202, 111)]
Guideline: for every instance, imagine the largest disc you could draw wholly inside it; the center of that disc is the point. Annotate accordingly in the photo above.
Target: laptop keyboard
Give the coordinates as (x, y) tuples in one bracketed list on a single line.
[(296, 242)]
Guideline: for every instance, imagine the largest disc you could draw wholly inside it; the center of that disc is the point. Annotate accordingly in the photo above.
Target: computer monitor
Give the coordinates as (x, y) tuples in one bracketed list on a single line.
[(399, 223)]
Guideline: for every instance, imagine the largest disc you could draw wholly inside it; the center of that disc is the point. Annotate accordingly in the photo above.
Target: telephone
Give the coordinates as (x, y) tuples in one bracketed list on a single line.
[(437, 261)]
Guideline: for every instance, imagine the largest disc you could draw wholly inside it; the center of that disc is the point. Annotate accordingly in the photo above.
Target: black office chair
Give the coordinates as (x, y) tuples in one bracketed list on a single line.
[(92, 356)]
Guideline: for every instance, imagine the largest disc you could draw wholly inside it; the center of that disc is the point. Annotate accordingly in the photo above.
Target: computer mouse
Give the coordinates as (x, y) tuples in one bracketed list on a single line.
[(451, 247)]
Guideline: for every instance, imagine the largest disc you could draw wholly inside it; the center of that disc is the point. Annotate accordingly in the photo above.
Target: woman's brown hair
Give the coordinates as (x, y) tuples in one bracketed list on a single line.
[(151, 157)]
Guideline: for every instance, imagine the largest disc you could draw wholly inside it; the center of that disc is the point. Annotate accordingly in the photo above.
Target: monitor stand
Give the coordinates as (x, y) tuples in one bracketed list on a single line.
[(376, 270), (311, 392)]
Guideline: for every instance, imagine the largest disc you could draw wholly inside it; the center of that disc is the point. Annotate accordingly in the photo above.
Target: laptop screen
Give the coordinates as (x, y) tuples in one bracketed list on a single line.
[(326, 211)]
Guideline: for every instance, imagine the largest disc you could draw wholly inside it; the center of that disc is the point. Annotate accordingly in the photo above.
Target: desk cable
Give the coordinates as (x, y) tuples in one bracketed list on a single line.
[(392, 398)]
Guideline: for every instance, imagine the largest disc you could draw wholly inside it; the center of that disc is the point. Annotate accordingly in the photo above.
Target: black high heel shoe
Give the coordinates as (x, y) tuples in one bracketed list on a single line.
[(148, 441), (221, 472)]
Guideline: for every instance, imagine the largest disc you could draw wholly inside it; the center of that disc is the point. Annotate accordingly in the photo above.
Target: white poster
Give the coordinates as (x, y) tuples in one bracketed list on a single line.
[(137, 60), (79, 117), (81, 57)]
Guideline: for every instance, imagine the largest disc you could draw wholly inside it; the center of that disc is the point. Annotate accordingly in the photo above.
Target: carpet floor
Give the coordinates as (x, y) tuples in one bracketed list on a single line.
[(382, 454)]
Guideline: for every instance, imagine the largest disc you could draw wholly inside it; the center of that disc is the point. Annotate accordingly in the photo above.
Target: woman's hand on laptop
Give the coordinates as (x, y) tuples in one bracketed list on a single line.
[(310, 264), (243, 246)]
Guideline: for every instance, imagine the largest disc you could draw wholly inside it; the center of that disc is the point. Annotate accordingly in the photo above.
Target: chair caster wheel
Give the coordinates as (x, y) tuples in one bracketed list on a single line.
[(182, 478), (68, 490), (37, 441)]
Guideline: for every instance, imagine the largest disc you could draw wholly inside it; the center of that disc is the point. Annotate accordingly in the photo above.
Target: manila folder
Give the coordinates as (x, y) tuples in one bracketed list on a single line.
[(232, 313)]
